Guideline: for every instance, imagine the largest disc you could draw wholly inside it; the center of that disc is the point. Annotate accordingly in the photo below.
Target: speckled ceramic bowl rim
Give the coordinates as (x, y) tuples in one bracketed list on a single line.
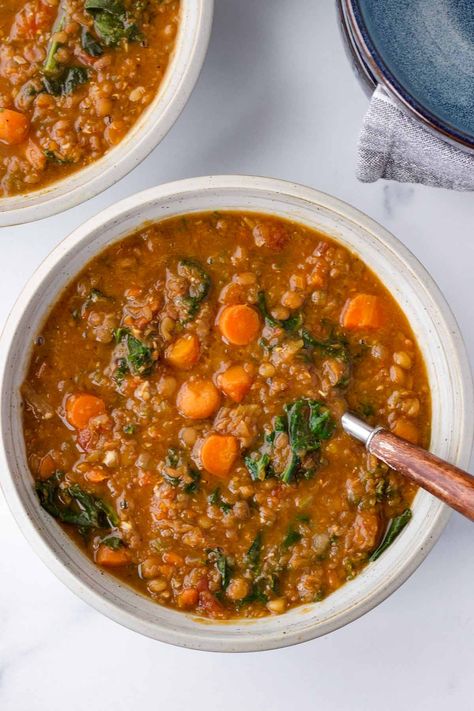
[(376, 65), (150, 129), (439, 338)]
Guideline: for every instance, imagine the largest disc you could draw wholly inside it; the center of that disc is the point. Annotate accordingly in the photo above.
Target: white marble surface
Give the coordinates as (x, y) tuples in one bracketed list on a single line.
[(276, 97)]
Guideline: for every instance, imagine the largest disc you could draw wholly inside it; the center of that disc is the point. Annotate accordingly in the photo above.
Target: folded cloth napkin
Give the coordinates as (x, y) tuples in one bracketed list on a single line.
[(395, 146)]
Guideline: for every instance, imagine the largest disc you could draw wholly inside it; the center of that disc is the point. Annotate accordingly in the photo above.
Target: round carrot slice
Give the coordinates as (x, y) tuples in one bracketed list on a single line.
[(239, 324), (184, 352), (198, 399), (112, 558), (81, 407), (235, 382), (218, 454), (14, 127)]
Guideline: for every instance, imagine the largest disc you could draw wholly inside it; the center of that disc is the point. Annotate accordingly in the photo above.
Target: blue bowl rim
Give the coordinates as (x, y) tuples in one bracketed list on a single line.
[(396, 89)]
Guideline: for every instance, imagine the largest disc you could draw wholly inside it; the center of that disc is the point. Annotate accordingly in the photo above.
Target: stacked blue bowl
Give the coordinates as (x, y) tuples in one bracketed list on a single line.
[(422, 52)]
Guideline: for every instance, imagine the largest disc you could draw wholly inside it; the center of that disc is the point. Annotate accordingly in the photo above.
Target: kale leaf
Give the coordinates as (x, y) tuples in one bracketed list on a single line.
[(112, 22), (335, 346), (71, 504), (199, 285), (215, 499), (66, 82), (309, 424), (396, 526), (253, 554), (138, 359), (89, 44), (216, 556), (290, 325)]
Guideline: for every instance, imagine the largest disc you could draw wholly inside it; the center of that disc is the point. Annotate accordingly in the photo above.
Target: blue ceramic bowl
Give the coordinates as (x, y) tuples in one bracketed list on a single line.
[(423, 51)]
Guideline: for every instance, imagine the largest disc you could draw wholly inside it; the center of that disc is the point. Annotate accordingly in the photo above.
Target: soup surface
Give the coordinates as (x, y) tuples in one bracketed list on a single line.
[(182, 408), (75, 75)]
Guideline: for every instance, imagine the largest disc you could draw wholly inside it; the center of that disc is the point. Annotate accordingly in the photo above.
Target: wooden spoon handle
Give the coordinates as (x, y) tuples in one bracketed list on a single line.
[(450, 484)]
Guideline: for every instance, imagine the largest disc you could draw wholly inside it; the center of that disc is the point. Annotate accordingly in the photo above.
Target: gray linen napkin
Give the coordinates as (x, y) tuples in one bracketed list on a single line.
[(395, 146)]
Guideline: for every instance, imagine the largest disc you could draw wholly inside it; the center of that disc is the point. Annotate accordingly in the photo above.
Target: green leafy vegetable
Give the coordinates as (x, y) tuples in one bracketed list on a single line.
[(309, 424), (56, 158), (113, 542), (215, 499), (139, 357), (396, 526), (334, 346), (66, 82), (112, 22), (71, 504), (290, 325), (175, 460), (50, 64), (253, 554), (216, 556), (89, 44), (129, 429), (199, 285), (291, 538), (192, 485)]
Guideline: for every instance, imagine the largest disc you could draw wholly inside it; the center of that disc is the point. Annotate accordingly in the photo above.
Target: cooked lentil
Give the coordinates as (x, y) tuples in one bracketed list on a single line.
[(75, 75), (201, 460)]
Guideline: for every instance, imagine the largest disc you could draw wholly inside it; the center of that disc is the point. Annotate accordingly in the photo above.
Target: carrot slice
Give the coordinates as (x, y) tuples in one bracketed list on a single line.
[(362, 311), (14, 127), (81, 407), (183, 353), (95, 475), (172, 558), (188, 597), (112, 558), (218, 454), (239, 324), (235, 382), (198, 399)]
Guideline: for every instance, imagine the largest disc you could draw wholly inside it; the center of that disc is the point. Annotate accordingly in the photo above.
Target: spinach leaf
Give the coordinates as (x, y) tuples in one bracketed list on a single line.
[(258, 463), (335, 346), (50, 64), (66, 82), (55, 158), (216, 556), (291, 538), (112, 22), (139, 357), (256, 594), (253, 554), (199, 286), (396, 526), (89, 44), (290, 325), (192, 485), (309, 423), (71, 504), (215, 499), (174, 460), (113, 542)]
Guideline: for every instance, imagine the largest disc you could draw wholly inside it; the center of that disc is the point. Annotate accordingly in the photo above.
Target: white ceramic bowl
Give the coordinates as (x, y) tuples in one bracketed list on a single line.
[(431, 320), (152, 126)]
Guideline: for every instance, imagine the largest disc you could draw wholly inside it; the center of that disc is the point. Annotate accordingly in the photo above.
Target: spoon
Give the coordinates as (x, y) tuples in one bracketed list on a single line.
[(450, 484)]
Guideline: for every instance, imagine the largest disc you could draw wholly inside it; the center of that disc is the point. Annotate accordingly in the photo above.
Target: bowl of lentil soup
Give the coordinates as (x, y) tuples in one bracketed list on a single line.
[(87, 89), (192, 479)]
